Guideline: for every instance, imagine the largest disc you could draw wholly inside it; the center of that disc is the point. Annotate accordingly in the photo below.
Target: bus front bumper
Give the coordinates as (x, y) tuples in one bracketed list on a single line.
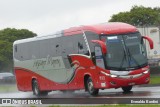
[(113, 81)]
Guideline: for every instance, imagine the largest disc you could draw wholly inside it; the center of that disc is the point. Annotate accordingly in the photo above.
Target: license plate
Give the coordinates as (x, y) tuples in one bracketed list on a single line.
[(132, 83)]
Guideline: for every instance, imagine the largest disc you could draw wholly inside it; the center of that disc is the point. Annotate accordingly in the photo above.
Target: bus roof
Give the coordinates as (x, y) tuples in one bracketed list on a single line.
[(104, 28)]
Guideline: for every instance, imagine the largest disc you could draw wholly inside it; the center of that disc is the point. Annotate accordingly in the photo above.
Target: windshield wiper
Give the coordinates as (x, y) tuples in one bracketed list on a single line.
[(124, 58), (131, 57)]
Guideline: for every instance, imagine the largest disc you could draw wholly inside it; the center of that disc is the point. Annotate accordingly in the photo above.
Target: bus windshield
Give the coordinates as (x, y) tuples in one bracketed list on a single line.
[(125, 52)]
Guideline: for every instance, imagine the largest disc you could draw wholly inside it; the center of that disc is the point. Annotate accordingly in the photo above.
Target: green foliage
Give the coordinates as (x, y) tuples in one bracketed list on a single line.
[(7, 37), (139, 16), (154, 80), (5, 88)]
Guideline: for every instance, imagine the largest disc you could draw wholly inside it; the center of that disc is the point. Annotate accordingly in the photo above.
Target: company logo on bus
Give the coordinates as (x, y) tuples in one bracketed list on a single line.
[(131, 77)]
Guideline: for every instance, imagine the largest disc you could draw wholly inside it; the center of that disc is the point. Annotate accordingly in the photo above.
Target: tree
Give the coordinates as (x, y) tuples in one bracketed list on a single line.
[(158, 18), (138, 16), (7, 37)]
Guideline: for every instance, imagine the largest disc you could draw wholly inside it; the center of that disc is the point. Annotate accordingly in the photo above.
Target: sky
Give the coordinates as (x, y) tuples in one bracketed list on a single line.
[(45, 17)]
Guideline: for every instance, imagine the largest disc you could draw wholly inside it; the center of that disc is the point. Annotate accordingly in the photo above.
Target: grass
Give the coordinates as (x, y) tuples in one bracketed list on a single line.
[(8, 88), (154, 79)]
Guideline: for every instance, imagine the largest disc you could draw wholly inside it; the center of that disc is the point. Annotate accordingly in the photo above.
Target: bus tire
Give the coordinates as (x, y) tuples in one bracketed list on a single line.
[(127, 89), (36, 90), (91, 88)]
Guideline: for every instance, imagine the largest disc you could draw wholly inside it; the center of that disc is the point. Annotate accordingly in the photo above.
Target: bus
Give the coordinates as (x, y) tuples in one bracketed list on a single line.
[(90, 57)]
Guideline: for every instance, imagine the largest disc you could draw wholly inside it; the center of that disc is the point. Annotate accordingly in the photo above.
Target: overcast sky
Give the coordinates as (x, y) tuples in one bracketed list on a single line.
[(48, 16)]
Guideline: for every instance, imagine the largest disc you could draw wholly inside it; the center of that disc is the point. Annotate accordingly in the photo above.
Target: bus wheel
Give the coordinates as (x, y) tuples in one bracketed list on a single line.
[(127, 89), (36, 90), (91, 88)]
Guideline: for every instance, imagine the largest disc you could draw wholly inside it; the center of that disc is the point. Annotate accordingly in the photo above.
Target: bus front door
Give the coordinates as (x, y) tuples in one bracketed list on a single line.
[(99, 58)]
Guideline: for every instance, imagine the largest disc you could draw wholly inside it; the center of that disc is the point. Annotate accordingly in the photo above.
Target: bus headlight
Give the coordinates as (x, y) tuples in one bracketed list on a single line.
[(105, 73), (145, 72), (113, 76)]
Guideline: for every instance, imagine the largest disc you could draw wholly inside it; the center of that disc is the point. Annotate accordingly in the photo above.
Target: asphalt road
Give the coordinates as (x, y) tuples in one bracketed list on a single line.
[(108, 96)]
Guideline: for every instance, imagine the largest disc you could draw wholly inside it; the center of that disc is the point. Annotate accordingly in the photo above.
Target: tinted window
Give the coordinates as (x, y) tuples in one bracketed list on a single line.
[(125, 51), (53, 46), (35, 50), (21, 52), (67, 48), (67, 45), (44, 48), (80, 44), (91, 36), (58, 46)]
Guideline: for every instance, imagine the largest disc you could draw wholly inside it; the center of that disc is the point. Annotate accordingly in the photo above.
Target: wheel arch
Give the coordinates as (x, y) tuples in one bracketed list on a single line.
[(33, 79)]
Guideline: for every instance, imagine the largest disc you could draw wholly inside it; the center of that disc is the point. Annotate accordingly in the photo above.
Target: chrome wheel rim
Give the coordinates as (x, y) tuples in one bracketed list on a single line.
[(36, 89), (90, 86)]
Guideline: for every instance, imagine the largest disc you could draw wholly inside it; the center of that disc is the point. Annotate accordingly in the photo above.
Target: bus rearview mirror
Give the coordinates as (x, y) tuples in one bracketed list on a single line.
[(102, 45), (149, 40)]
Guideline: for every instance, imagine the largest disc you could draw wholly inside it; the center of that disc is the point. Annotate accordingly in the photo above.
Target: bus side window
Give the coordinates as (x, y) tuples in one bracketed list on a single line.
[(91, 36), (20, 52), (57, 46), (53, 47), (67, 45), (15, 48), (80, 46), (15, 52), (67, 48)]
